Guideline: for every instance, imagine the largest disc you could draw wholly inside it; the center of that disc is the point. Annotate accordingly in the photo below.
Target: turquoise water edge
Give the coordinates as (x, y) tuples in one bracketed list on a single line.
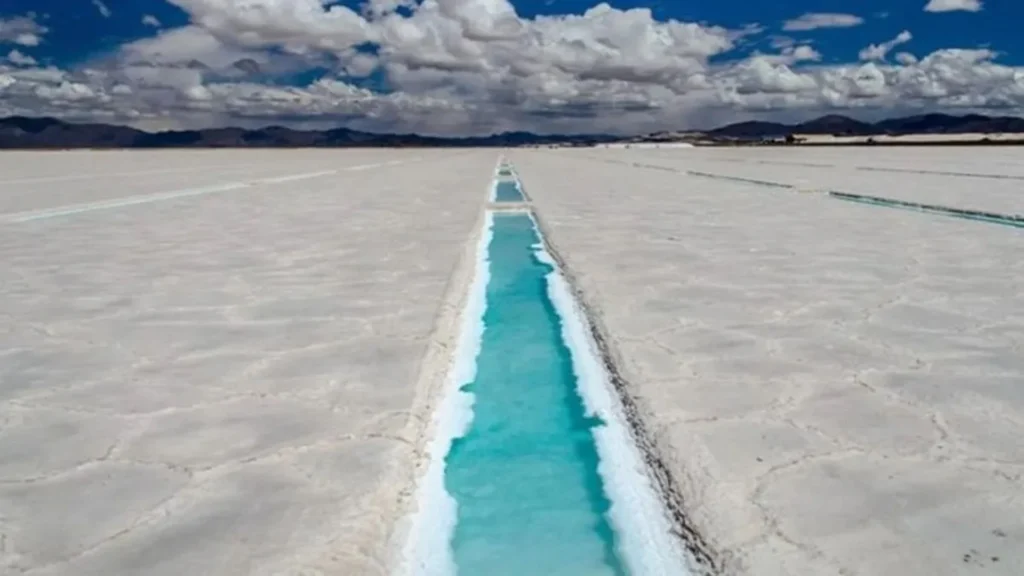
[(525, 474), (507, 191)]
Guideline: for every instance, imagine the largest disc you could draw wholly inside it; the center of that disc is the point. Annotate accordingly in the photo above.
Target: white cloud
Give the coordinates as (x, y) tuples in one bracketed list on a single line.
[(18, 58), (103, 9), (789, 55), (880, 51), (906, 58), (472, 66), (182, 46), (787, 83), (22, 30), (66, 92), (295, 25), (953, 5), (193, 47), (765, 76), (376, 8), (150, 20), (780, 42), (468, 50), (816, 20)]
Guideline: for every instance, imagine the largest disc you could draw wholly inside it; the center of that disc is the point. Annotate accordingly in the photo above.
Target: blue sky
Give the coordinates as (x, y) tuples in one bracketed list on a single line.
[(75, 35)]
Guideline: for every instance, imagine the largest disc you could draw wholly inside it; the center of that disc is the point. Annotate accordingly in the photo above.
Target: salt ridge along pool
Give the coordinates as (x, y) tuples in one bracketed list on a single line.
[(533, 470)]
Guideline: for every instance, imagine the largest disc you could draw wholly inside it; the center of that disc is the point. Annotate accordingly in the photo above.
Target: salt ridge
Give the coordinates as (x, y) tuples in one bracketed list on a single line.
[(428, 550), (643, 529)]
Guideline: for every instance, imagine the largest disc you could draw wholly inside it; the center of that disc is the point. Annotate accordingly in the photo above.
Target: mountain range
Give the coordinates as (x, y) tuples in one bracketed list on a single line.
[(51, 133), (845, 126)]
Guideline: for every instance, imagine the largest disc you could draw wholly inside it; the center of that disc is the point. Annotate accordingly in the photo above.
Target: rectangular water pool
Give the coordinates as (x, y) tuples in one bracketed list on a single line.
[(525, 474), (507, 191), (533, 467)]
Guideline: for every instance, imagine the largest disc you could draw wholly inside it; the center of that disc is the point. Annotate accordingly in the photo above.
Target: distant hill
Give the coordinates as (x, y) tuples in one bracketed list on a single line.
[(846, 126), (51, 133), (17, 132), (834, 124), (752, 129)]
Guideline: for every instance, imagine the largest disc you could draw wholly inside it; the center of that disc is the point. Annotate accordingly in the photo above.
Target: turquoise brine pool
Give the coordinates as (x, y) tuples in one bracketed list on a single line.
[(507, 191), (525, 476)]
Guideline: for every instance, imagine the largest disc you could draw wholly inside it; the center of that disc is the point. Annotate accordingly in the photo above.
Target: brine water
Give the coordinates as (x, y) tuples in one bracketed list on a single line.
[(525, 475)]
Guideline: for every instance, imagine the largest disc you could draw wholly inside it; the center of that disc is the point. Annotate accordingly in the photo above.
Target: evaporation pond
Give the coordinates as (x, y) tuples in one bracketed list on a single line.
[(525, 475), (507, 191)]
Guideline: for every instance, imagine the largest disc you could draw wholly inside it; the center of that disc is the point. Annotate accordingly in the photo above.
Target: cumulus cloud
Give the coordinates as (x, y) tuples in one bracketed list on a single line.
[(906, 58), (196, 48), (151, 21), (22, 30), (376, 8), (295, 25), (18, 58), (181, 46), (181, 97), (880, 51), (953, 6), (780, 42), (476, 66), (472, 51), (779, 83), (816, 20)]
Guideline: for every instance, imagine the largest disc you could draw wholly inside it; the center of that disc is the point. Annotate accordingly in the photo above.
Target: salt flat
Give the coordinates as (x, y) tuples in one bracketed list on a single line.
[(835, 387), (39, 180), (231, 382), (983, 179), (222, 362)]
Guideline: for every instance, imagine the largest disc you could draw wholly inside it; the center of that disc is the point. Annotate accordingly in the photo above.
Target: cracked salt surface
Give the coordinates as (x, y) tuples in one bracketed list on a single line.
[(834, 387), (222, 384), (235, 383)]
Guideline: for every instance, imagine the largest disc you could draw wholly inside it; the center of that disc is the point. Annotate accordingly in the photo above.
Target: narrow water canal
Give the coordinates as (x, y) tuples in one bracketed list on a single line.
[(507, 191), (533, 470), (530, 499)]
